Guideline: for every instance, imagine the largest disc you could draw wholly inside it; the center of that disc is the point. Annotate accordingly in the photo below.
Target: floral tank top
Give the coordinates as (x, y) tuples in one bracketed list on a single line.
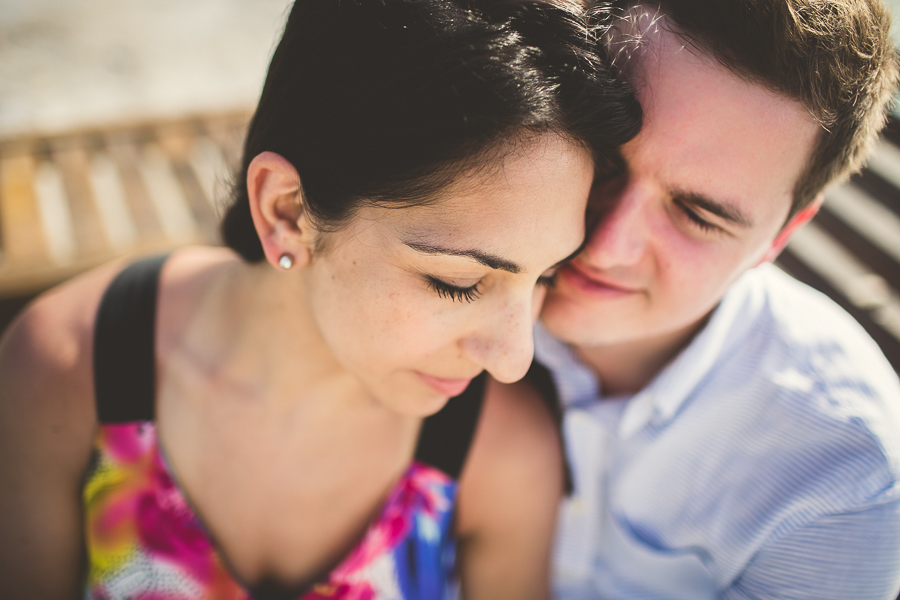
[(144, 541)]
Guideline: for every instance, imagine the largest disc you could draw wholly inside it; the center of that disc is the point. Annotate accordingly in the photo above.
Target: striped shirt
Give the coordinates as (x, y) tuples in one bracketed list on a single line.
[(763, 462)]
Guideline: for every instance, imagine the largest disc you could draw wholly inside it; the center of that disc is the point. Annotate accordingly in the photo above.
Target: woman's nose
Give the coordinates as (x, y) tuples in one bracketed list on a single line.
[(503, 344)]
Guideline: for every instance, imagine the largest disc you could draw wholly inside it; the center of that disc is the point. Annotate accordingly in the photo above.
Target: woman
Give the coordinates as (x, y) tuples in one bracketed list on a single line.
[(269, 420)]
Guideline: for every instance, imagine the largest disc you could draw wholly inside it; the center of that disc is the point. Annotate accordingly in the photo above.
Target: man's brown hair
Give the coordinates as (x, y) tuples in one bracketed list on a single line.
[(834, 56)]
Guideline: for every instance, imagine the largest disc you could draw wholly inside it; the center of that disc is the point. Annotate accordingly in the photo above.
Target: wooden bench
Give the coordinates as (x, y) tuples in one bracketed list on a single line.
[(73, 201)]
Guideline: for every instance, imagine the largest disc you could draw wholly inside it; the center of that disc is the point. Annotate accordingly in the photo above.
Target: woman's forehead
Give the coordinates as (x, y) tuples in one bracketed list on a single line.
[(528, 211)]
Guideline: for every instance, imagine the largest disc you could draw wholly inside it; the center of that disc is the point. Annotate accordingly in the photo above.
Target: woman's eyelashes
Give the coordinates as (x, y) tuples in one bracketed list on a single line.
[(453, 292), (471, 293), (548, 280)]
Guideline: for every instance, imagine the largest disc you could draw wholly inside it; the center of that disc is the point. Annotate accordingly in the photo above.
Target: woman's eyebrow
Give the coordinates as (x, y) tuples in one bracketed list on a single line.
[(490, 260)]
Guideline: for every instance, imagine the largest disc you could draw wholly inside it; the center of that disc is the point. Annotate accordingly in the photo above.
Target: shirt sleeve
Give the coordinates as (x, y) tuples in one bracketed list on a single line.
[(837, 557)]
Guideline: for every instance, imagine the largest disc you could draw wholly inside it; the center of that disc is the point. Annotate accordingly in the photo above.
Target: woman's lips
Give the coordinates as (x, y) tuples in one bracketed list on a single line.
[(592, 284), (445, 387)]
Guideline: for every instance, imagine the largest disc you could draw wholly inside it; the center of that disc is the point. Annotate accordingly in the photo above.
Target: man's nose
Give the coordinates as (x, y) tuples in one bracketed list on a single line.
[(617, 227)]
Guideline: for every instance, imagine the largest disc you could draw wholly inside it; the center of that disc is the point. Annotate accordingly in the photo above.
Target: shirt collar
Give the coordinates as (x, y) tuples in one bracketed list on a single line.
[(576, 383), (729, 323)]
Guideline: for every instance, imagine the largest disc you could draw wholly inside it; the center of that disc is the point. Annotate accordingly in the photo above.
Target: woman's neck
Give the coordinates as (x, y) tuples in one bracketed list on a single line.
[(248, 327)]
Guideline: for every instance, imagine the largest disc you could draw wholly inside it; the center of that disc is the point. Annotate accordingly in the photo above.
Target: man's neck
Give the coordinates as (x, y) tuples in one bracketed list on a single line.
[(626, 368)]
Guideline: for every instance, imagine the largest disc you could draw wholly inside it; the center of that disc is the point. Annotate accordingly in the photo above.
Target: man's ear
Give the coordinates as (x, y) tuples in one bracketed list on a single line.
[(277, 207), (796, 222)]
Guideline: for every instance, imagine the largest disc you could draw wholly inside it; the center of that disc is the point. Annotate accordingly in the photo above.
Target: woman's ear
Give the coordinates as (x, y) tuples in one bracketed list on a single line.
[(278, 209)]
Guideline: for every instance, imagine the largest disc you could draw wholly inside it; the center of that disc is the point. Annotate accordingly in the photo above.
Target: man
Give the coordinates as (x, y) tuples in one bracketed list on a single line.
[(732, 433)]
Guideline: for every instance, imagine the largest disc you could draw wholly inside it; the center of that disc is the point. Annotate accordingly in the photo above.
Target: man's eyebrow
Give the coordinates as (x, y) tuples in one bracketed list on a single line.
[(724, 211), (490, 260)]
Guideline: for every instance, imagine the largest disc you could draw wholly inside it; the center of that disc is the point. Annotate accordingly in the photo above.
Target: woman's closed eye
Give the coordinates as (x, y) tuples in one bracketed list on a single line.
[(472, 292), (547, 280), (453, 292)]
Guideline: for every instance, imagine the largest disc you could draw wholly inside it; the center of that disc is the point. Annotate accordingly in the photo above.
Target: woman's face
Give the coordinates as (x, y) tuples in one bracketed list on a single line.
[(418, 301)]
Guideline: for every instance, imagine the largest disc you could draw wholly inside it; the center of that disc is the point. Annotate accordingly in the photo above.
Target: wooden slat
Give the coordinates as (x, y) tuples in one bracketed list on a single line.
[(177, 143), (867, 216), (123, 149), (23, 235), (857, 244), (56, 216), (112, 203), (841, 269), (206, 218), (72, 161), (228, 134), (208, 163), (167, 195), (885, 162)]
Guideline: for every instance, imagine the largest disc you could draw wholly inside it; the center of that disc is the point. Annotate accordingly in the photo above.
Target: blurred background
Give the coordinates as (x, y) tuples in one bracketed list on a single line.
[(69, 64), (120, 121)]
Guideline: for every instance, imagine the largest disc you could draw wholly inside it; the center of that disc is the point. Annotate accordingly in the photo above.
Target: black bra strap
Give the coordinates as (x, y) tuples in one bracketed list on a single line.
[(445, 436), (124, 349)]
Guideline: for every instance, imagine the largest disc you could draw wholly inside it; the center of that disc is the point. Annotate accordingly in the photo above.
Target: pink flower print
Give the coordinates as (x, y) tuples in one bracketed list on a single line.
[(168, 528), (129, 442), (421, 489), (432, 485)]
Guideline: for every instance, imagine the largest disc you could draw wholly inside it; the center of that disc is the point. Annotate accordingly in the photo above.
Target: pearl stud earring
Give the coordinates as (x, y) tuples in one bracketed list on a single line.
[(286, 261)]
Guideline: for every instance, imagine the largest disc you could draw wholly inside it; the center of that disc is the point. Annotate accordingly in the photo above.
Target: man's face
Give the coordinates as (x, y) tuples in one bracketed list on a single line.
[(706, 188)]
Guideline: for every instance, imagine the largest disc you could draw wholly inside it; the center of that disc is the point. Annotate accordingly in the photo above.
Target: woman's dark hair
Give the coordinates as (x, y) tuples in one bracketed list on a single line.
[(387, 101)]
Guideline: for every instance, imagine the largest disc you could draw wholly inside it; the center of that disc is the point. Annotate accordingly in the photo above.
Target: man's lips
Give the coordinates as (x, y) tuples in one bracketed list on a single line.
[(445, 387), (593, 284)]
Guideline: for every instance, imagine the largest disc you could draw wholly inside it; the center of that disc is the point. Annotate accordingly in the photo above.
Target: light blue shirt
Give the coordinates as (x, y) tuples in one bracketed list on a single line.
[(763, 462)]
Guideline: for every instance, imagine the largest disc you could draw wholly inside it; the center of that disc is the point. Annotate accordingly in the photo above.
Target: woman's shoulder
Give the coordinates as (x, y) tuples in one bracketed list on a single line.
[(509, 494), (45, 353), (52, 338), (516, 451), (518, 433), (47, 425)]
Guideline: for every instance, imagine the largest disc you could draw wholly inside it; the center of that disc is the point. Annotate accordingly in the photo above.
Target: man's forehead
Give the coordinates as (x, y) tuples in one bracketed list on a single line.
[(711, 134)]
